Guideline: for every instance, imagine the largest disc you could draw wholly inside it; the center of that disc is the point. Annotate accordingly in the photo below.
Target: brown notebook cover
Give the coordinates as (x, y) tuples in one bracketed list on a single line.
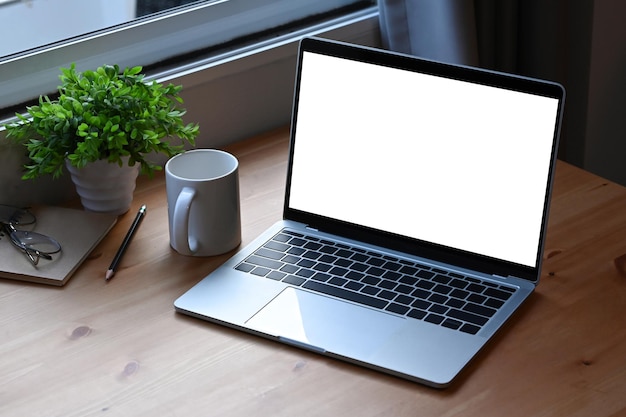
[(77, 231)]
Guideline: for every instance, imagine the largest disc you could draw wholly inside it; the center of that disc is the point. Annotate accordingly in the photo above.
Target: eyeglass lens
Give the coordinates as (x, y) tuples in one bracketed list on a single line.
[(35, 241)]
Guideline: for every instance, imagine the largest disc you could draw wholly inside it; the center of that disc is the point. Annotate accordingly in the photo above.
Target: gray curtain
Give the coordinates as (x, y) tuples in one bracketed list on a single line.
[(547, 39), (443, 30)]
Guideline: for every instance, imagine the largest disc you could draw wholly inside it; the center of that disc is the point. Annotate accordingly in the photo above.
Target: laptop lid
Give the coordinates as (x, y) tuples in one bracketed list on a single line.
[(441, 161)]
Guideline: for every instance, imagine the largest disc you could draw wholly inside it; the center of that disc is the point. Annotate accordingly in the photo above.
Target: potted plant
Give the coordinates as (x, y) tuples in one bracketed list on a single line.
[(102, 119)]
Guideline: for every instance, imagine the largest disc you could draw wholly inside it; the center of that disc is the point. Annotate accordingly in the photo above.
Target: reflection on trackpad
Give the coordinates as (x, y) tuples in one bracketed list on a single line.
[(323, 323)]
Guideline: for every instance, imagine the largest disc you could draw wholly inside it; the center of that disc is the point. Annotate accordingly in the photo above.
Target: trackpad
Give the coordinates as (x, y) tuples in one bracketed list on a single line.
[(325, 324)]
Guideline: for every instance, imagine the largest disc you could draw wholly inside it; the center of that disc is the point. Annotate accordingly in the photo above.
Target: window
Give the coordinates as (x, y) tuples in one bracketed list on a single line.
[(146, 40)]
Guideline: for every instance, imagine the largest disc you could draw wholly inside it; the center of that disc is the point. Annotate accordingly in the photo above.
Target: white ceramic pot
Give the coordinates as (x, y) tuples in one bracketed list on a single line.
[(105, 187)]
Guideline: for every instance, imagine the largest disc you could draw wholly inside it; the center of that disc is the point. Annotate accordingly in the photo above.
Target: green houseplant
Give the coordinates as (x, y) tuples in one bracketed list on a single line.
[(102, 115)]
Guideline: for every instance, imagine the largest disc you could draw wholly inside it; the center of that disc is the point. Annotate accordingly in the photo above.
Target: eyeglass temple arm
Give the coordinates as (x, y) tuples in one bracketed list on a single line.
[(32, 254)]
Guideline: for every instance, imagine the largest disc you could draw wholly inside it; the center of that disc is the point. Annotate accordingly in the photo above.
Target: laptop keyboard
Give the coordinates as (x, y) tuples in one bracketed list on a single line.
[(379, 281)]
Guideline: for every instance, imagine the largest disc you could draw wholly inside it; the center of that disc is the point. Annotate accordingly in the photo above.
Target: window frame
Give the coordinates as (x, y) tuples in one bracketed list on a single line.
[(150, 40)]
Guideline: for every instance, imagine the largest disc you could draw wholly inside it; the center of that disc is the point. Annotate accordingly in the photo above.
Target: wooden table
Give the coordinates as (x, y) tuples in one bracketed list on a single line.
[(119, 349)]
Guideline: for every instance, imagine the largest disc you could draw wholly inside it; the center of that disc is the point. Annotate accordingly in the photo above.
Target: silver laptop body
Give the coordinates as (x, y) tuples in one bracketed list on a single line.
[(415, 212)]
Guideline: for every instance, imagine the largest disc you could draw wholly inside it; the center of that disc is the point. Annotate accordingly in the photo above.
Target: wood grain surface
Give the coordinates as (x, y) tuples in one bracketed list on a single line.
[(119, 349)]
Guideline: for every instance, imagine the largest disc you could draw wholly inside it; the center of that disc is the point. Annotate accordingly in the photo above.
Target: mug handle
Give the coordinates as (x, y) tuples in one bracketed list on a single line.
[(180, 224)]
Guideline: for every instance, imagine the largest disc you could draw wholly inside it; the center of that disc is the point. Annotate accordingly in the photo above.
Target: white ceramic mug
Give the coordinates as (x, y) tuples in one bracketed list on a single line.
[(203, 202)]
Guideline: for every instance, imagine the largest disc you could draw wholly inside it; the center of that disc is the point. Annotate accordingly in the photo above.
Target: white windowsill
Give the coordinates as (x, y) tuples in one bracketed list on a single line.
[(233, 96)]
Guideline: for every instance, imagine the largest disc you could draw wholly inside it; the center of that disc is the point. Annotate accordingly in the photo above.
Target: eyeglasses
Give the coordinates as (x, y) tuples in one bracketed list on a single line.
[(34, 245)]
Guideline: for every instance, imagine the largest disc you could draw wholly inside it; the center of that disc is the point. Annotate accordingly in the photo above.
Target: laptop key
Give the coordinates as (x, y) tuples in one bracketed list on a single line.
[(469, 328), (476, 298), (344, 263), (439, 309), (360, 267), (370, 280), (408, 280), (329, 259), (289, 269), (294, 280), (387, 284), (305, 273), (409, 270), (376, 261), (265, 262), (368, 289), (494, 303), (451, 324), (427, 285), (306, 263), (392, 266), (499, 294), (280, 247), (455, 302), (476, 288), (338, 271), (322, 267), (394, 276), (296, 251), (281, 237), (404, 289), (478, 309), (312, 246), (416, 314), (424, 274), (290, 259), (376, 271), (353, 285), (355, 276), (397, 308), (311, 254), (359, 257), (297, 242), (442, 289), (328, 249), (404, 299), (268, 253), (260, 271), (421, 304), (337, 281), (387, 295), (344, 253), (434, 318), (438, 298), (467, 316), (345, 294), (275, 275), (460, 294), (442, 279), (421, 293), (244, 267), (321, 277), (458, 283)]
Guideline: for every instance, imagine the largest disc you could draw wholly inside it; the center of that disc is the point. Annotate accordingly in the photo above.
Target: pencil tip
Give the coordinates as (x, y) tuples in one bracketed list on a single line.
[(108, 275)]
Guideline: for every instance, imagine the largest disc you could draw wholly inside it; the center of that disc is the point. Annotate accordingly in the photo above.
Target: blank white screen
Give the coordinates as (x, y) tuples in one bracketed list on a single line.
[(445, 161)]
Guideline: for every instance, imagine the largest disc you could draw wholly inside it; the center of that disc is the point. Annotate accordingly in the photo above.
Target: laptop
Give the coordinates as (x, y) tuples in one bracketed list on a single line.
[(414, 216)]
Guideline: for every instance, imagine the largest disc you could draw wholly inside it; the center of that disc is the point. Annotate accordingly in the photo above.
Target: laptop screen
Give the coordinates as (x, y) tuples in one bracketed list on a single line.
[(447, 161)]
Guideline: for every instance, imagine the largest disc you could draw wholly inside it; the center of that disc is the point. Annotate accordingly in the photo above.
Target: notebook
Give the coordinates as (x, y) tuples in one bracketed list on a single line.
[(414, 216), (77, 231)]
